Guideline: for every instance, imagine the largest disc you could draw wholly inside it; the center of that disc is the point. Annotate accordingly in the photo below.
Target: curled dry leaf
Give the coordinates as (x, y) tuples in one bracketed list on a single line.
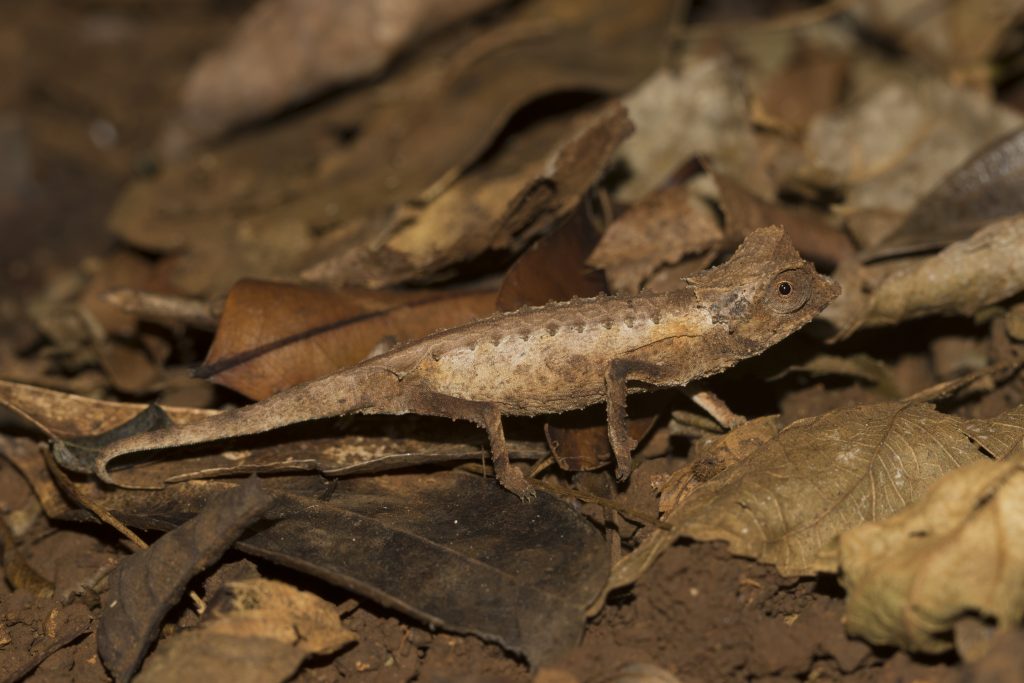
[(522, 191), (273, 336), (284, 51), (253, 630), (659, 230), (985, 188), (450, 549), (711, 458), (146, 585), (959, 280), (953, 555), (787, 502)]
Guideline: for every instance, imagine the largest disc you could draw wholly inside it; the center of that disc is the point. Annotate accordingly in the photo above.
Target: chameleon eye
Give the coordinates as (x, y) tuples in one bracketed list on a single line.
[(789, 291)]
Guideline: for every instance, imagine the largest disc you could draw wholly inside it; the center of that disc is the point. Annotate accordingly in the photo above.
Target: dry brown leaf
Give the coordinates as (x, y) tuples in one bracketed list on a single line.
[(284, 51), (953, 555), (263, 205), (697, 109), (960, 280), (535, 179), (253, 630), (788, 502), (272, 336), (892, 146), (659, 230)]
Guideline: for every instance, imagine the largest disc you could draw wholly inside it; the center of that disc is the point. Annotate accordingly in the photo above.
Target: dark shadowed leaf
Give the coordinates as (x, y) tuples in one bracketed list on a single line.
[(144, 586), (451, 549)]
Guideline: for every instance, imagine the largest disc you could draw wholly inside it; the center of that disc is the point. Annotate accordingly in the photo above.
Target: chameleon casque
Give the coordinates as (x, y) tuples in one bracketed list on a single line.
[(553, 358)]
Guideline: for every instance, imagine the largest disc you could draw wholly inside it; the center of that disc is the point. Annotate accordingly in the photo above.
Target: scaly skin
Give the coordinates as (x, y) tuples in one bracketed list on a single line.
[(552, 358)]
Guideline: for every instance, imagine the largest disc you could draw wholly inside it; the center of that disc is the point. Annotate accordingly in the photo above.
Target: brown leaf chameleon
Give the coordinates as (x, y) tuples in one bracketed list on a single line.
[(553, 358)]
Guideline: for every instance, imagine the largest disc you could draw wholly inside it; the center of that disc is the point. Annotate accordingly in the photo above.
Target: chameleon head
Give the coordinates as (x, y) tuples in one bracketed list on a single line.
[(765, 292)]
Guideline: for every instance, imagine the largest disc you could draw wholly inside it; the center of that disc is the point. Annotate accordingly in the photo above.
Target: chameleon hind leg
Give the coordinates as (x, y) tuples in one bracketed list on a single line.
[(487, 416)]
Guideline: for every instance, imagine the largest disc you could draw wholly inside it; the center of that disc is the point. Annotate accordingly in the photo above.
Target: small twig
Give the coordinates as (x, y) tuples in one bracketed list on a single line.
[(151, 306)]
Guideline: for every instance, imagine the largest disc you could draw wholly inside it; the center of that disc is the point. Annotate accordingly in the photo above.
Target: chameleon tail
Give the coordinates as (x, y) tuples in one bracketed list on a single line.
[(348, 391)]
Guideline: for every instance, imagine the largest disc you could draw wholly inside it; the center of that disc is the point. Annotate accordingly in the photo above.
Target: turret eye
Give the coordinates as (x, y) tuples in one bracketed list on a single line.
[(789, 291)]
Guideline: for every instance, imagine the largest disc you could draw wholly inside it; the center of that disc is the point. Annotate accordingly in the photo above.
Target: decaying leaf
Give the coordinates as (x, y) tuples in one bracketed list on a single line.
[(959, 280), (953, 555), (253, 630), (272, 336), (658, 230), (428, 546), (985, 188), (787, 502), (713, 457), (146, 585), (534, 180), (285, 51), (554, 267)]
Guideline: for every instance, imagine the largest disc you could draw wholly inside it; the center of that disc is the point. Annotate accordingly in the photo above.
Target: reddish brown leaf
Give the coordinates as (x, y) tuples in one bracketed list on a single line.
[(272, 336)]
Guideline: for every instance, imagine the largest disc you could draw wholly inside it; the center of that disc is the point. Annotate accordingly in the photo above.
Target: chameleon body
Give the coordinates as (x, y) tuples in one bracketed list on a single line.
[(552, 358)]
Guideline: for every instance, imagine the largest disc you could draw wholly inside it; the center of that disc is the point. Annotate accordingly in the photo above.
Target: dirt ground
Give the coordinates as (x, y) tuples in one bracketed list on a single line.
[(86, 89)]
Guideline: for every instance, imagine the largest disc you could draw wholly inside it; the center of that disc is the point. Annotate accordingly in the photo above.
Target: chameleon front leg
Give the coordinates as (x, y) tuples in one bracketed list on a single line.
[(487, 416), (661, 364), (619, 372)]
